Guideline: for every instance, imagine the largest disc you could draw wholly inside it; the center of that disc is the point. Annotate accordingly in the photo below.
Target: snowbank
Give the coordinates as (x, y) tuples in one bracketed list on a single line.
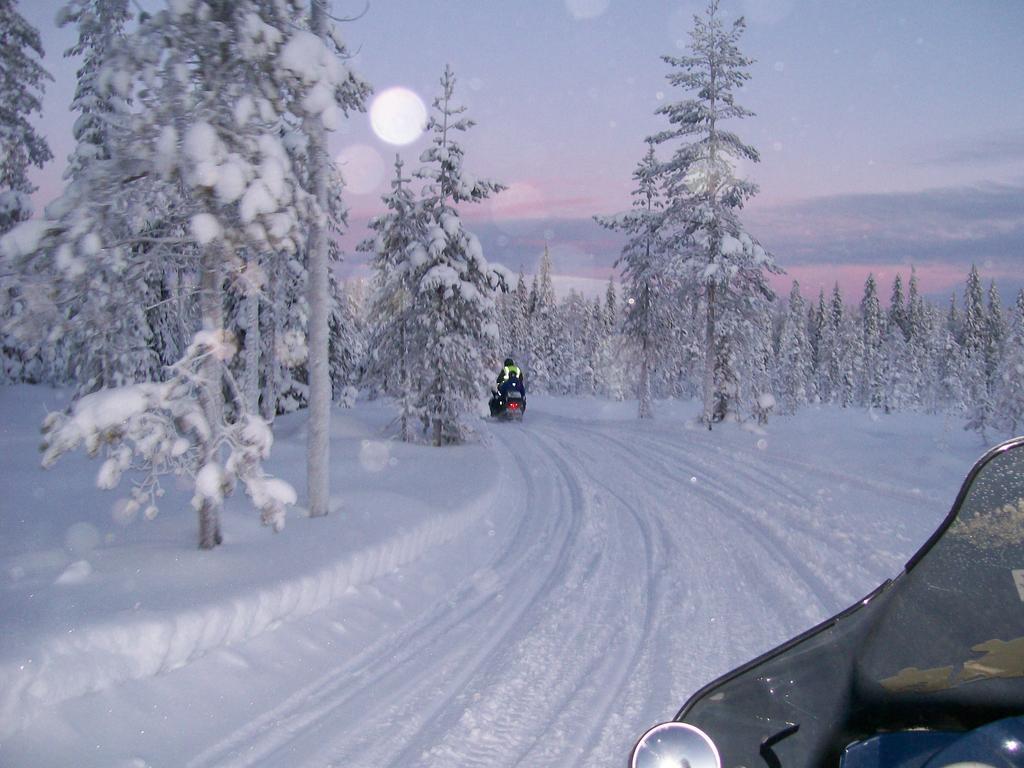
[(94, 599)]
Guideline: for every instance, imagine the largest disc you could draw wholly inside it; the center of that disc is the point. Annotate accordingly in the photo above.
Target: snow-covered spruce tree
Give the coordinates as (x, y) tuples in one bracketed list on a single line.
[(21, 90), (715, 254), (212, 84), (611, 305), (453, 301), (104, 307), (979, 404), (101, 24), (22, 82), (951, 369), (898, 385), (793, 364), (897, 307), (995, 333), (872, 384), (397, 248), (934, 331), (347, 348), (513, 321), (831, 351), (984, 372), (1010, 374), (853, 361), (543, 329), (920, 345), (953, 322), (816, 322), (646, 275)]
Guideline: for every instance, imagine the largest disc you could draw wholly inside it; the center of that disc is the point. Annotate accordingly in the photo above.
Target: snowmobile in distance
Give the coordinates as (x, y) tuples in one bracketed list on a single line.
[(508, 401), (927, 671)]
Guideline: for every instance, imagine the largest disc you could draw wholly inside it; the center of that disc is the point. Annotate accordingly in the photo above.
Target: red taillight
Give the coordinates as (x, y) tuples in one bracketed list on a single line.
[(513, 406)]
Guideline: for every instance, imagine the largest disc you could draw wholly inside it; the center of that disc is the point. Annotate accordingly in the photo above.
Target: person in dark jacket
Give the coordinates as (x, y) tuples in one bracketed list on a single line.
[(511, 377)]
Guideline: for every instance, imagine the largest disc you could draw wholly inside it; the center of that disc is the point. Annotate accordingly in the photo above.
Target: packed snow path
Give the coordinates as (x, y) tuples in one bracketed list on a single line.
[(625, 566)]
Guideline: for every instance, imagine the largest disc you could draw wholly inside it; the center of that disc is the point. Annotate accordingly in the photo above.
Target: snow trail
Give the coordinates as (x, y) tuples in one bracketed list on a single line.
[(615, 568)]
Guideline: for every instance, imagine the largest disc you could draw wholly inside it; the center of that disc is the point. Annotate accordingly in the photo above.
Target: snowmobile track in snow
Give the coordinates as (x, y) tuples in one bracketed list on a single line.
[(630, 562)]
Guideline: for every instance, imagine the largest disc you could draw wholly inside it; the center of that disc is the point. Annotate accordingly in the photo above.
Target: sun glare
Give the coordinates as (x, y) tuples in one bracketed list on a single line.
[(398, 116)]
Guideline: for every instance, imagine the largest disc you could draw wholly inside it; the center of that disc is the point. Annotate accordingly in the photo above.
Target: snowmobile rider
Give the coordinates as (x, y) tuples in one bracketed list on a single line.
[(511, 377)]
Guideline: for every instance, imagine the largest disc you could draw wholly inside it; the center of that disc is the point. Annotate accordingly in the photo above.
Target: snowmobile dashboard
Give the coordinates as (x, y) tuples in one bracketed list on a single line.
[(927, 670)]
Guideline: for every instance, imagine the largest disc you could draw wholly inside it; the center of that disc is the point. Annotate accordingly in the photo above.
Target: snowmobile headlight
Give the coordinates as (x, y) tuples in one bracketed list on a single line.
[(672, 745)]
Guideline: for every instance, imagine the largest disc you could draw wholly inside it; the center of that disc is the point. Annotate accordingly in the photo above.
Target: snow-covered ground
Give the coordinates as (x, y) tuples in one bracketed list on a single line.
[(539, 599)]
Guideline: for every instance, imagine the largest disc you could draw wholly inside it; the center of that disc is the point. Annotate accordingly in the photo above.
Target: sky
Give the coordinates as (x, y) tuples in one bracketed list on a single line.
[(891, 132)]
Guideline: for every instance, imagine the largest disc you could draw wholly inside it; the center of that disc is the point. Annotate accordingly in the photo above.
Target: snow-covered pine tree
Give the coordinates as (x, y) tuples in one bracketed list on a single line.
[(951, 369), (283, 334), (105, 307), (897, 368), (953, 322), (397, 248), (926, 354), (897, 307), (995, 333), (919, 346), (832, 351), (576, 342), (347, 346), (101, 24), (817, 320), (610, 371), (973, 329), (21, 91), (455, 286), (544, 365), (1010, 374), (611, 305), (976, 357), (212, 86), (514, 321), (853, 362), (646, 275), (872, 385), (714, 253), (22, 83), (759, 392), (793, 366)]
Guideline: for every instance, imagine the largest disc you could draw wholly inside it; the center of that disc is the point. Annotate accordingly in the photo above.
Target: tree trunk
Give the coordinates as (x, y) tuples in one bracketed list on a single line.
[(212, 396), (644, 386), (251, 385), (404, 382), (709, 358), (318, 447), (271, 365)]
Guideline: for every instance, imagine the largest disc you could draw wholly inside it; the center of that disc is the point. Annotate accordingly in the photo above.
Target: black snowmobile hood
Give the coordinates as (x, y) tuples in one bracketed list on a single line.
[(941, 646)]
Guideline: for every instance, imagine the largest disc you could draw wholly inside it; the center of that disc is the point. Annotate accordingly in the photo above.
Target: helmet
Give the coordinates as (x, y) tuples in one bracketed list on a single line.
[(509, 362)]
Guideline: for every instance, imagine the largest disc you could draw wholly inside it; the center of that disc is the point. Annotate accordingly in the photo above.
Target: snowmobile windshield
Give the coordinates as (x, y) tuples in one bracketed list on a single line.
[(941, 647)]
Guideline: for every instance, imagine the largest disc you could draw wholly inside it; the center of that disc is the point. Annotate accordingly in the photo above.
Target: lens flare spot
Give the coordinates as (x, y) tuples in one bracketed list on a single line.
[(374, 455), (398, 116), (362, 168), (81, 538), (586, 9)]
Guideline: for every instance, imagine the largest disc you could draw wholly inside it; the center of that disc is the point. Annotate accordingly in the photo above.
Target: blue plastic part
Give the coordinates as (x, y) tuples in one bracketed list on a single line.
[(905, 749), (999, 745)]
